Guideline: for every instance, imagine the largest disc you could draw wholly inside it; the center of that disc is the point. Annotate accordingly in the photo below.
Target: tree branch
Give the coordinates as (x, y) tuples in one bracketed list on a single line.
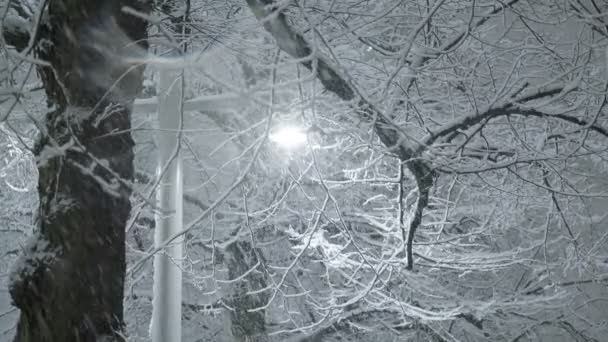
[(379, 315), (449, 44), (512, 108), (392, 137), (375, 315), (540, 289)]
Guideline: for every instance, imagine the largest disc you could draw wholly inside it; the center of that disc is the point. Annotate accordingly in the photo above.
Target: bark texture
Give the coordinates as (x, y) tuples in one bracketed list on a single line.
[(16, 27), (69, 283)]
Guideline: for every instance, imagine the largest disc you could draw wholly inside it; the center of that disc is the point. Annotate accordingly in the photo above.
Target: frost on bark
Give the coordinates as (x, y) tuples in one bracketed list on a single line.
[(69, 283)]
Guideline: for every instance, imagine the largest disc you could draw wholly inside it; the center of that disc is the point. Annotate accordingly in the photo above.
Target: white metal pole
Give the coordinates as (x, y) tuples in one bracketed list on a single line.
[(167, 290)]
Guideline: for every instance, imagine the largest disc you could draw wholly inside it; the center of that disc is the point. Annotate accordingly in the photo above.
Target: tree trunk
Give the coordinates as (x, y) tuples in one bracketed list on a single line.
[(69, 282)]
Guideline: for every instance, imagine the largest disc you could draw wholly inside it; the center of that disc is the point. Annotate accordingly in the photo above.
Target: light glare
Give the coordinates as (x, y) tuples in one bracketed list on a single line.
[(288, 137)]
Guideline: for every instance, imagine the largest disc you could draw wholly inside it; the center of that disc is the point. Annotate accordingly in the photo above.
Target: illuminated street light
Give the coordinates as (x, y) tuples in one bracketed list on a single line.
[(288, 137)]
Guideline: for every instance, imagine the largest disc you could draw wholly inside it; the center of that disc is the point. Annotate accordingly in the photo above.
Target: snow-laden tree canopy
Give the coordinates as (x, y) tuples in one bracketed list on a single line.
[(354, 170)]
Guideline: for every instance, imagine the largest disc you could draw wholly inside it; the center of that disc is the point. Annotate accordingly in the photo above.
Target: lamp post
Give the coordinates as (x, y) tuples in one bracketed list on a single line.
[(167, 290)]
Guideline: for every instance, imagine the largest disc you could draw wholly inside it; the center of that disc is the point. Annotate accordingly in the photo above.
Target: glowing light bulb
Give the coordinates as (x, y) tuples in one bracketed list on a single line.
[(288, 137)]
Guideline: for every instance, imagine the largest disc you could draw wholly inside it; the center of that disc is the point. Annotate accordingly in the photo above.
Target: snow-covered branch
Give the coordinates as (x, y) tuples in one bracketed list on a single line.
[(390, 134)]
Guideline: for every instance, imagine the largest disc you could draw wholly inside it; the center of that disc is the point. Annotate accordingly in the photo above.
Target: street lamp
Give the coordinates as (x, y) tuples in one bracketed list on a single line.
[(288, 137)]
